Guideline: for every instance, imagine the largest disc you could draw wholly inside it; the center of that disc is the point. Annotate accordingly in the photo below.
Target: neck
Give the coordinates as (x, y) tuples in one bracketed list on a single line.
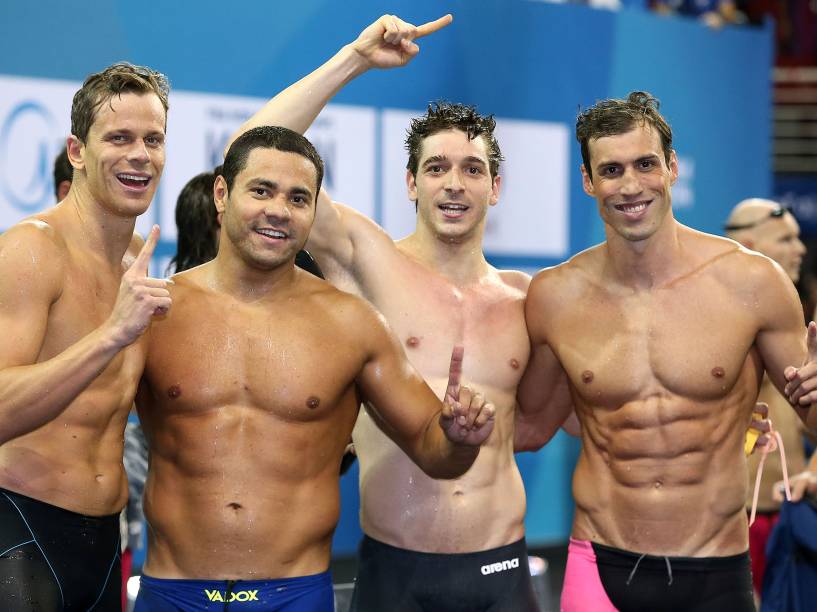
[(460, 259), (100, 230), (236, 277), (648, 263)]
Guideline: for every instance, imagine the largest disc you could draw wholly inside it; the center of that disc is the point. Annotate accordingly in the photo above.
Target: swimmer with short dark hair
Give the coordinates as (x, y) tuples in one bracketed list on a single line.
[(252, 386), (658, 337)]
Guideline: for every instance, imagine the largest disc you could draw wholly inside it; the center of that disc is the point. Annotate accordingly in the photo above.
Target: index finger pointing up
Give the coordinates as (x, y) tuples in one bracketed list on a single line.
[(140, 264), (433, 26), (811, 342), (455, 373)]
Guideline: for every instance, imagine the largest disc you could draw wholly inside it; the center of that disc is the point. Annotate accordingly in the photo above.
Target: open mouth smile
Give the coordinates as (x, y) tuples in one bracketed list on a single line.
[(271, 234), (633, 208), (452, 210), (134, 182)]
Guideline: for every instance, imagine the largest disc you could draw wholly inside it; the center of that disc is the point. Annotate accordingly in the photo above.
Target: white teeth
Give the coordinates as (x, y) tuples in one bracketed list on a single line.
[(131, 177), (271, 233), (632, 207), (453, 207)]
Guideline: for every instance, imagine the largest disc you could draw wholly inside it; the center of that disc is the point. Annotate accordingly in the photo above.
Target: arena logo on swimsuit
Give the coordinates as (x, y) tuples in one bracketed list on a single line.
[(492, 568), (239, 596)]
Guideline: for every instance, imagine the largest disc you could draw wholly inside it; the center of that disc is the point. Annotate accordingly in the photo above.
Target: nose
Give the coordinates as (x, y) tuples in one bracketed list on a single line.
[(277, 208), (139, 152), (630, 185), (454, 182), (801, 248)]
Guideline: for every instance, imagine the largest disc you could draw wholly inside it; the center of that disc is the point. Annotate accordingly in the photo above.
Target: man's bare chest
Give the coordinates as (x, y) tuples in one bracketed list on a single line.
[(616, 351), (296, 367), (490, 328)]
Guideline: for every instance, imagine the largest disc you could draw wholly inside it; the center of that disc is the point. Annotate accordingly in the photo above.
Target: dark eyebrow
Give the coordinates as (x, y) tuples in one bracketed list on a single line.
[(301, 191), (435, 159), (475, 160), (272, 185), (643, 158), (259, 182), (650, 157)]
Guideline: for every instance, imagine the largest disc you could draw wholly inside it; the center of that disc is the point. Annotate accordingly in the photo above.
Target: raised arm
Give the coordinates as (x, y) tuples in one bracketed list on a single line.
[(387, 43), (543, 397), (339, 230), (441, 437), (33, 392)]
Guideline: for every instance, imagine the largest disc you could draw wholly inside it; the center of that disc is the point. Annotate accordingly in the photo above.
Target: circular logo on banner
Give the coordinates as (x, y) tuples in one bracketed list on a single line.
[(29, 142)]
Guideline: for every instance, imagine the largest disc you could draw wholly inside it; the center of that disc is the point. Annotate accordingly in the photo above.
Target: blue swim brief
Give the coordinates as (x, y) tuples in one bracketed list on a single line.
[(300, 594)]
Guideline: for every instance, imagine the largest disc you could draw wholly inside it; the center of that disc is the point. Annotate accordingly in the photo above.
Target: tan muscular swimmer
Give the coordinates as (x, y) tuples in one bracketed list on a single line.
[(68, 313), (768, 228), (663, 334), (251, 388), (429, 544)]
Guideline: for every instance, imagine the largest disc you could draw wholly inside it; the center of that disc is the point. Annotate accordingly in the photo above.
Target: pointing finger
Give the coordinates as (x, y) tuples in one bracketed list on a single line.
[(455, 373), (433, 26), (140, 264)]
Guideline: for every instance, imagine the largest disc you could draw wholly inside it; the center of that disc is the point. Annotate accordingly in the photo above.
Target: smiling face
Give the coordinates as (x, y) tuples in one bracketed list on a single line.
[(631, 181), (268, 212), (123, 155), (453, 187)]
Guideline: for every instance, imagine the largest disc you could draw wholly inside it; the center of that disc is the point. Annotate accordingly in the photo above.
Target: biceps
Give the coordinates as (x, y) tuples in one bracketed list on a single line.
[(24, 328), (395, 391), (779, 349)]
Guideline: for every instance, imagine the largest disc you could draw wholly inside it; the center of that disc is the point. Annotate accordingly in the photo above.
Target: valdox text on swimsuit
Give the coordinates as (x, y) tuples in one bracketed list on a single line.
[(223, 596)]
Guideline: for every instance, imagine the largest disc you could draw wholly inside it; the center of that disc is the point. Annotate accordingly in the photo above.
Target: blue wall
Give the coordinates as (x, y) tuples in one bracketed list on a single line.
[(517, 59)]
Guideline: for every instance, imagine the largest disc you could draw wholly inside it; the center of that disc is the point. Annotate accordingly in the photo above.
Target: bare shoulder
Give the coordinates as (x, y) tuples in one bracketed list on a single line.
[(344, 313), (515, 279), (569, 279), (352, 309), (733, 264), (34, 247)]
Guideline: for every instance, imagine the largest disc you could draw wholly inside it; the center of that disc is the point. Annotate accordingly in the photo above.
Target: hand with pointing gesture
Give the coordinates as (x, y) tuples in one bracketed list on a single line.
[(801, 389), (140, 297), (466, 417), (389, 41)]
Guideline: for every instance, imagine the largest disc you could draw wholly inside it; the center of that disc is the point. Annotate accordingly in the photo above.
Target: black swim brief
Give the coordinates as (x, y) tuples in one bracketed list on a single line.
[(603, 578), (53, 559), (398, 580)]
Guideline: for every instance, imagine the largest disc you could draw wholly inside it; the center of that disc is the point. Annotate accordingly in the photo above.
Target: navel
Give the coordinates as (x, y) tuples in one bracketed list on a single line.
[(587, 377), (313, 402), (234, 506), (718, 372), (174, 391)]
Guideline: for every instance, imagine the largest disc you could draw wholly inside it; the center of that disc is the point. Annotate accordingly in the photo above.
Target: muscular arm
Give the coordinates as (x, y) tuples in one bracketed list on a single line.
[(407, 410), (790, 364), (33, 393), (387, 43), (543, 395)]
